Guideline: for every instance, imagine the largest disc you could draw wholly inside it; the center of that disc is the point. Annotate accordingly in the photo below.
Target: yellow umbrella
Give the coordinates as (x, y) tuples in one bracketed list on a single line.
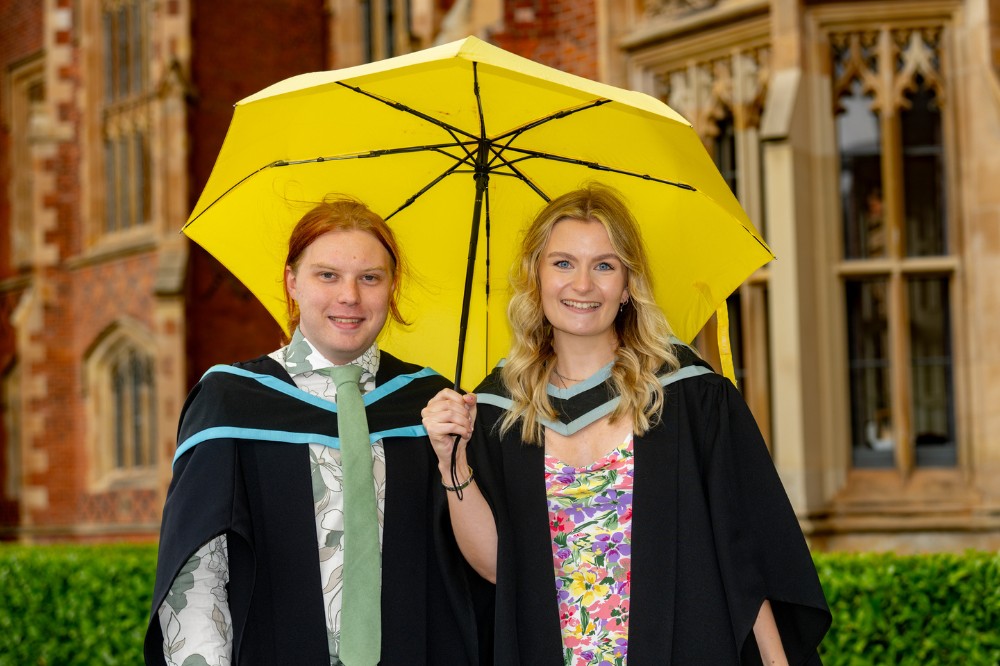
[(452, 139)]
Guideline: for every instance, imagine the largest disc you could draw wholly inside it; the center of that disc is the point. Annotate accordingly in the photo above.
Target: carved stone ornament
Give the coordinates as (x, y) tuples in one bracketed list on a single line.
[(676, 7)]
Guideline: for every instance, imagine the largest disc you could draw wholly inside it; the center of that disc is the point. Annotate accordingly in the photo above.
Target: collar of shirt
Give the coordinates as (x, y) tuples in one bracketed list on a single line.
[(301, 357)]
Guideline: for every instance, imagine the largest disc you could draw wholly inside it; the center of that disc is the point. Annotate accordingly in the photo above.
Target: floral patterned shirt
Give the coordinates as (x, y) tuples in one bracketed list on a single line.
[(590, 519), (195, 617)]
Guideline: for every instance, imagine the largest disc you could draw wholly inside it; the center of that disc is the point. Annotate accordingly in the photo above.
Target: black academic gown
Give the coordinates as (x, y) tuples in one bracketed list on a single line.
[(713, 535), (259, 494)]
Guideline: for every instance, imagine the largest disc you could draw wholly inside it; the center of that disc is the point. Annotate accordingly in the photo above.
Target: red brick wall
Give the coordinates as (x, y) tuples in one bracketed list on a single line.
[(76, 303), (239, 48), (60, 409), (557, 33), (20, 37)]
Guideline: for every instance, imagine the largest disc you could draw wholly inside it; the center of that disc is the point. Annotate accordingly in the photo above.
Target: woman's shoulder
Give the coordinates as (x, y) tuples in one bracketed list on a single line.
[(492, 390), (692, 372), (493, 381), (687, 357)]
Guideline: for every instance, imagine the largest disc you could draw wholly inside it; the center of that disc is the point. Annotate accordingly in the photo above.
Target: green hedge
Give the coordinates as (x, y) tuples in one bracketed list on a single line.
[(88, 605), (923, 609), (68, 605)]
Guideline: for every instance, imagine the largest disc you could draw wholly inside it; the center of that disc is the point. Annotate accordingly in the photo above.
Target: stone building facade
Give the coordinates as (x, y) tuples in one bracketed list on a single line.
[(861, 137)]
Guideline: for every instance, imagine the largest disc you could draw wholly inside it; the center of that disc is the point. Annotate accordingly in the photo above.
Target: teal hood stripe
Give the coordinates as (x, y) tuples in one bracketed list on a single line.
[(494, 399), (577, 424), (595, 379), (685, 373), (228, 432), (292, 391), (599, 412), (394, 384)]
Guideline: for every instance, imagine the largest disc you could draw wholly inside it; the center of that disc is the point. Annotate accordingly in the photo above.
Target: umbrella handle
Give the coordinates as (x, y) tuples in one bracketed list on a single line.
[(454, 474)]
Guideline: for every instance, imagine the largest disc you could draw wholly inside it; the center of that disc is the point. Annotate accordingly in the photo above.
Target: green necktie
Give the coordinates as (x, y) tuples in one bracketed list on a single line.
[(360, 616)]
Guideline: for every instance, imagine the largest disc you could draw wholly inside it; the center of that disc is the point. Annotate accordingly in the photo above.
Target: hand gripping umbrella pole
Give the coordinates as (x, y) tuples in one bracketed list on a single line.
[(482, 177)]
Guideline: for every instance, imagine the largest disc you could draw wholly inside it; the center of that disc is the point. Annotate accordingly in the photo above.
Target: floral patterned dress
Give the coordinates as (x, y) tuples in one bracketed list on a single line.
[(590, 519)]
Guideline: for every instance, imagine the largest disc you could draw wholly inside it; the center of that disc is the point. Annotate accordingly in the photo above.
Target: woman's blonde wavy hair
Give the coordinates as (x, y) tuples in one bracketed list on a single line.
[(641, 328)]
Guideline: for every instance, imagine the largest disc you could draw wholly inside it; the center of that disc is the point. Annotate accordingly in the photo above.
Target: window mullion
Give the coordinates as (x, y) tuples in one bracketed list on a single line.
[(899, 337), (899, 363), (893, 201), (129, 412), (892, 152)]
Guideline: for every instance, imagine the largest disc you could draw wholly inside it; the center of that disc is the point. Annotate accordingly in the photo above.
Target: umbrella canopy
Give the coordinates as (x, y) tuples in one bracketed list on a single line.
[(458, 146)]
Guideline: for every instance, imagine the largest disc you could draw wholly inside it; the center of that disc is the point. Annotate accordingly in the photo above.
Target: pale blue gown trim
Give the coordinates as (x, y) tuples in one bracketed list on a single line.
[(373, 396), (590, 382), (275, 384), (581, 422), (258, 434), (228, 432)]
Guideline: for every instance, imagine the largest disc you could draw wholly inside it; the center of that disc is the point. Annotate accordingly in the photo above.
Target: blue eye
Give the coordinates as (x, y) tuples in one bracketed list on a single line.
[(562, 263), (605, 266)]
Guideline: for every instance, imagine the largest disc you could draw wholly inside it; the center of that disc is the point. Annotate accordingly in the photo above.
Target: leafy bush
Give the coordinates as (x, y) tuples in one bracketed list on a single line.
[(66, 605), (921, 609)]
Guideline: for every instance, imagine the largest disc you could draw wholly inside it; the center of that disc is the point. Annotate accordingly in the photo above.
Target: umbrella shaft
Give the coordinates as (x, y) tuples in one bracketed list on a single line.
[(482, 180)]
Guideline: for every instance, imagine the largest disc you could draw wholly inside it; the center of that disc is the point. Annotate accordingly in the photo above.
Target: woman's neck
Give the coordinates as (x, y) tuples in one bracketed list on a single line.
[(578, 358)]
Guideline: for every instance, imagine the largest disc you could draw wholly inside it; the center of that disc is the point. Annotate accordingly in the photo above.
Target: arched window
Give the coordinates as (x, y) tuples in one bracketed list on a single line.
[(25, 116), (121, 397), (133, 400)]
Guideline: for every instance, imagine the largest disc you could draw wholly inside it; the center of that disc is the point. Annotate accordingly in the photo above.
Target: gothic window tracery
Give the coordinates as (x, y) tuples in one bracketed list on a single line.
[(125, 114), (120, 386), (898, 265), (722, 95)]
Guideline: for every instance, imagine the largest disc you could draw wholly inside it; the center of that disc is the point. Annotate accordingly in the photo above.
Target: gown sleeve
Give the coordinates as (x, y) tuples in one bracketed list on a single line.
[(194, 618), (762, 552), (198, 508)]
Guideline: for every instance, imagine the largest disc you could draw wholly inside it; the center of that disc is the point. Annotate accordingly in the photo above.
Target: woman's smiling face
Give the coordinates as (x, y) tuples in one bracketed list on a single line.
[(582, 280)]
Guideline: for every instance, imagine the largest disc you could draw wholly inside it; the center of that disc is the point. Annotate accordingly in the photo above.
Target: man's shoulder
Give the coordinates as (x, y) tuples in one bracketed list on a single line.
[(422, 378), (264, 365), (240, 376)]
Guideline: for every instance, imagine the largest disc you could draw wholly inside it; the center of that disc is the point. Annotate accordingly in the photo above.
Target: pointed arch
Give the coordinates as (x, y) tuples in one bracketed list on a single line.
[(120, 398)]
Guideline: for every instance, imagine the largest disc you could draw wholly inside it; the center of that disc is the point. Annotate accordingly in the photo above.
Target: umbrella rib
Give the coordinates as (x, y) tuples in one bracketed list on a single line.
[(228, 190), (596, 166), (437, 148), (380, 152), (447, 172), (399, 106), (515, 172), (558, 115)]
